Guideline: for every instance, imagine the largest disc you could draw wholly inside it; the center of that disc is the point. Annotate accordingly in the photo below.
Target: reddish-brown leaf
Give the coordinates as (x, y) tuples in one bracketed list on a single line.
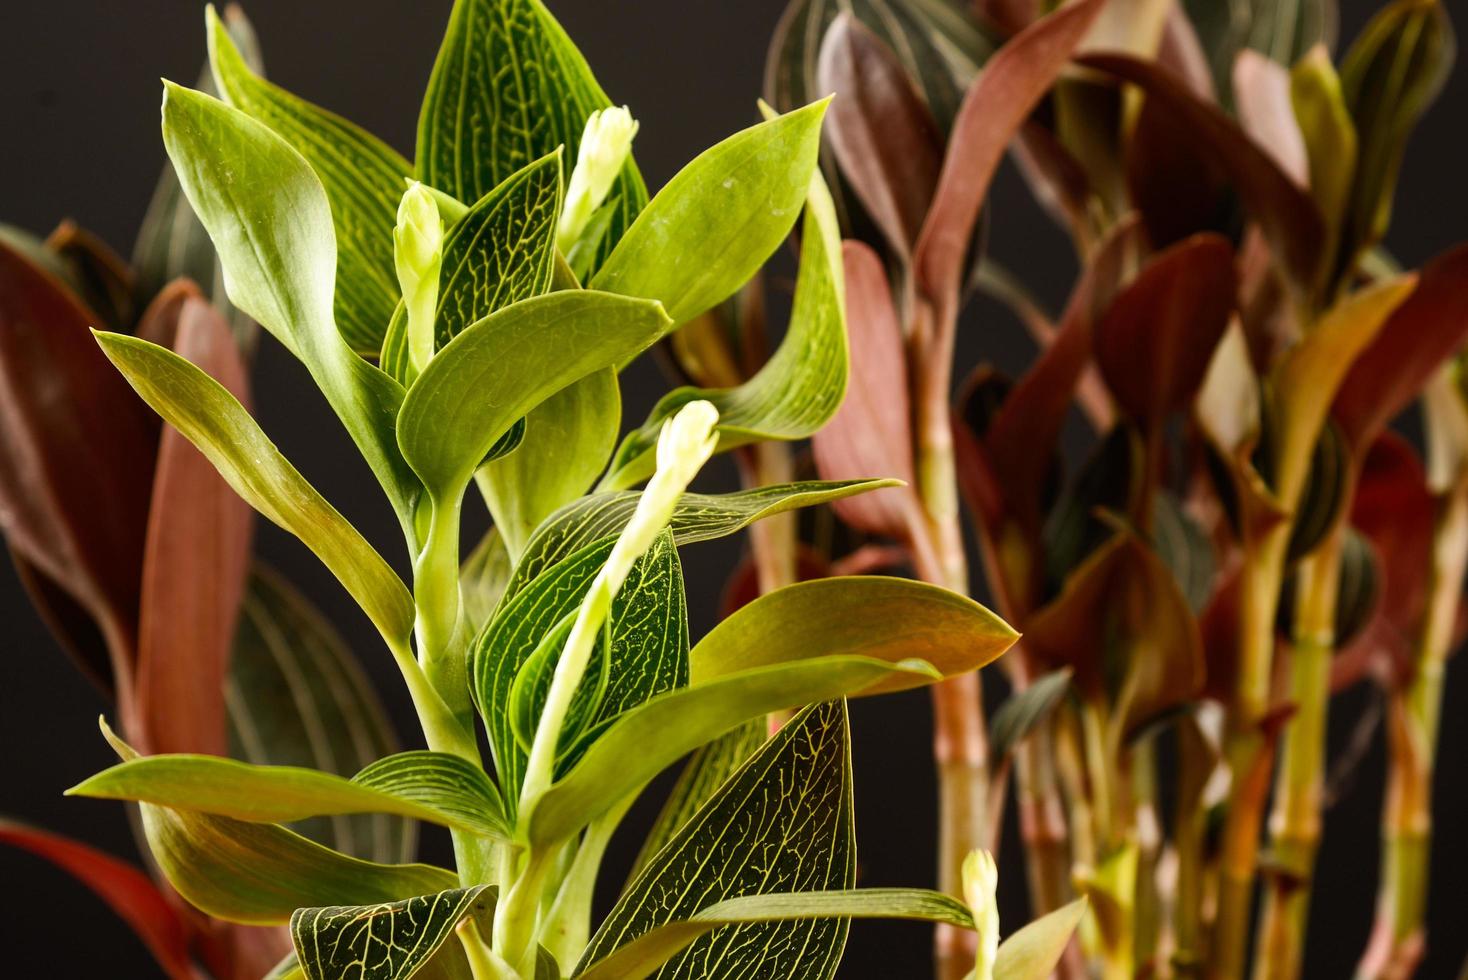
[(195, 563), (1172, 181), (996, 106), (1154, 343), (888, 145), (1418, 337), (1023, 438), (871, 434), (1281, 207), (125, 890), (76, 452), (105, 280), (1262, 97)]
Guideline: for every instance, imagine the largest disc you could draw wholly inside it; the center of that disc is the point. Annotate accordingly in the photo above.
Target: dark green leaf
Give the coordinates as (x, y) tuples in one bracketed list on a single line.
[(363, 178), (1019, 715), (698, 517), (1185, 547), (508, 88), (782, 823), (381, 942)]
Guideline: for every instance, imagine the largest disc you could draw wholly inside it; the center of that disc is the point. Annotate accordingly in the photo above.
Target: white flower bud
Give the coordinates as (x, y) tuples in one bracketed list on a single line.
[(418, 256), (605, 144), (980, 883)]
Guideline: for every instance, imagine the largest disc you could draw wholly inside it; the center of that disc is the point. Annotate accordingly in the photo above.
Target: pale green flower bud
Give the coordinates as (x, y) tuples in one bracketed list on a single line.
[(418, 256), (980, 882), (605, 143)]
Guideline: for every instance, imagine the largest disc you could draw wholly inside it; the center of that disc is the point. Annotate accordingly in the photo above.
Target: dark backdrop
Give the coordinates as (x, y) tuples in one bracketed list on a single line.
[(79, 139)]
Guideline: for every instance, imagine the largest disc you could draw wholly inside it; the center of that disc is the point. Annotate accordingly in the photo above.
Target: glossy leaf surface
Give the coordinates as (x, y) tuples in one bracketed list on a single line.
[(381, 942)]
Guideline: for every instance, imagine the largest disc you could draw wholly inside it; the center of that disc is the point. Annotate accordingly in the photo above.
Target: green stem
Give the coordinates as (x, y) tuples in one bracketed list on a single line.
[(1300, 786), (1399, 938), (484, 963), (567, 926)]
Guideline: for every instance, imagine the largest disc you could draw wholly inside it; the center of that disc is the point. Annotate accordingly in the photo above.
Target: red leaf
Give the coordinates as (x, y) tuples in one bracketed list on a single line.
[(125, 889), (1155, 342), (1282, 208), (886, 140), (1420, 335), (76, 452), (871, 434), (197, 556), (1013, 82)]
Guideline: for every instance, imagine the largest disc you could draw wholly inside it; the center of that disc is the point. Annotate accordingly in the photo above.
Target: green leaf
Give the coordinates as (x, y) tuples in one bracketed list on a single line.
[(1186, 548), (211, 418), (431, 786), (714, 224), (645, 954), (1033, 952), (362, 176), (501, 251), (800, 387), (1281, 29), (258, 874), (1391, 75), (649, 651), (783, 823), (500, 368), (269, 217), (894, 620), (643, 741), (568, 439), (1331, 143), (509, 87), (697, 517), (381, 942), (703, 774), (297, 696), (1019, 715)]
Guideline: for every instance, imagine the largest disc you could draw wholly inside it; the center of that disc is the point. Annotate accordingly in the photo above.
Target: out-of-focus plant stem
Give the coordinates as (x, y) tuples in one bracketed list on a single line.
[(1299, 788), (960, 738), (1414, 710)]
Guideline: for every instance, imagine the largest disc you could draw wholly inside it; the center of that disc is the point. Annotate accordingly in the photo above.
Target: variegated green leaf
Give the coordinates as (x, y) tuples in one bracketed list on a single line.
[(501, 251), (297, 696), (782, 823), (508, 88), (799, 388), (703, 774), (649, 652), (363, 178), (392, 941), (1024, 710), (210, 417), (698, 517)]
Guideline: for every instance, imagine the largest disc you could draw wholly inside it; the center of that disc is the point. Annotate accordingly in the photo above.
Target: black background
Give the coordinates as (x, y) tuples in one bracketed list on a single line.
[(79, 139)]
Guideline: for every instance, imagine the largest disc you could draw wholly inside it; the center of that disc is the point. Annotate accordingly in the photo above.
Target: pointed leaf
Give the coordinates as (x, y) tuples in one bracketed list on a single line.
[(871, 433), (500, 368), (996, 105), (270, 219), (697, 517), (1154, 343), (509, 87), (1267, 113), (888, 145), (888, 619), (1033, 952), (717, 221), (210, 417), (385, 942), (1331, 145), (127, 891), (430, 786), (800, 387), (195, 563), (1024, 710), (298, 697), (362, 176), (782, 823)]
